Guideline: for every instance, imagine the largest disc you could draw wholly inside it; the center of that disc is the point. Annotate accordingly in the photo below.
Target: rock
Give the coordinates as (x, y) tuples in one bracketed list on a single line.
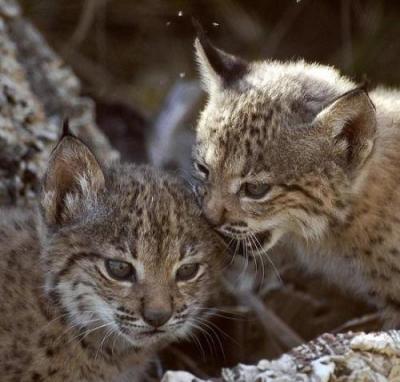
[(37, 91), (347, 357)]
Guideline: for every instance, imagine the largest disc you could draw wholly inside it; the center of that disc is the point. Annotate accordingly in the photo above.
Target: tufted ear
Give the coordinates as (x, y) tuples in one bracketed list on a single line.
[(217, 68), (351, 123), (72, 180)]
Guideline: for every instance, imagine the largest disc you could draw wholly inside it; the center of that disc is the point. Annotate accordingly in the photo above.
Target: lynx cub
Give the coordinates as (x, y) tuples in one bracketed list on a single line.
[(295, 153), (121, 265)]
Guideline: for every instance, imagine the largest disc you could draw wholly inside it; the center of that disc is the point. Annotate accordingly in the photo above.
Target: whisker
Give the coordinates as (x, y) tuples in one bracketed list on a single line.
[(54, 320), (246, 264), (74, 326), (252, 244), (235, 251), (208, 337), (224, 315), (265, 252), (108, 333), (256, 253), (197, 342), (211, 349), (205, 327), (113, 344), (87, 332), (220, 330)]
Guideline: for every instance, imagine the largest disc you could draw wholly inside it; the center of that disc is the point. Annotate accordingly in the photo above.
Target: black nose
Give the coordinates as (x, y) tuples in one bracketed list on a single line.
[(156, 317)]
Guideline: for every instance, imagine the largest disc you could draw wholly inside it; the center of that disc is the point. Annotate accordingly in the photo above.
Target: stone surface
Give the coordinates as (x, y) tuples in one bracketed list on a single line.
[(347, 357), (37, 91)]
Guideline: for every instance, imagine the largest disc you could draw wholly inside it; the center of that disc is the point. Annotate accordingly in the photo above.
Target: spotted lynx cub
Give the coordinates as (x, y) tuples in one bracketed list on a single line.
[(121, 265), (295, 153)]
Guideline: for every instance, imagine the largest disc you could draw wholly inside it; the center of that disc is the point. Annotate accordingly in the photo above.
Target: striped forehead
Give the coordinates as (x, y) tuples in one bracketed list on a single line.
[(234, 147)]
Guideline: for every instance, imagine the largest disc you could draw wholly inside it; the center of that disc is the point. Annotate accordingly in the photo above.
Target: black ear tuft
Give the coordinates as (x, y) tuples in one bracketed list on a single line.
[(365, 84), (66, 131), (215, 64), (73, 178), (198, 27)]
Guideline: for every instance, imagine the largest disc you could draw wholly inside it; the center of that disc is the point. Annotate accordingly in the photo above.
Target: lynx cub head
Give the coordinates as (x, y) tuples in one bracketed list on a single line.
[(280, 146), (125, 248)]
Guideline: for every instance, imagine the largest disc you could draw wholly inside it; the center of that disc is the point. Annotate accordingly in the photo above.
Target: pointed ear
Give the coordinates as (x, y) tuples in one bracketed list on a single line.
[(351, 123), (217, 68), (72, 180)]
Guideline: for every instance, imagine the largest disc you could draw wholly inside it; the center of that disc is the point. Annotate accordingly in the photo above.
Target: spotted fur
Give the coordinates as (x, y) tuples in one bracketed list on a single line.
[(328, 154), (63, 318)]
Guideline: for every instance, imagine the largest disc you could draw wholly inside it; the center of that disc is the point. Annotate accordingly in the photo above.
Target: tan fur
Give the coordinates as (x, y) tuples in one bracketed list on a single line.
[(63, 317), (331, 158)]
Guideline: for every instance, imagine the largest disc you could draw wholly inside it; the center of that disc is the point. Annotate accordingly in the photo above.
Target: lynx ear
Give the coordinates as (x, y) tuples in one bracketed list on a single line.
[(72, 180), (351, 122), (217, 68)]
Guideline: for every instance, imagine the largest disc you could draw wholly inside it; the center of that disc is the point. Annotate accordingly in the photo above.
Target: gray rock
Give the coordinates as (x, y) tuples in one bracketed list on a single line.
[(350, 357), (37, 91)]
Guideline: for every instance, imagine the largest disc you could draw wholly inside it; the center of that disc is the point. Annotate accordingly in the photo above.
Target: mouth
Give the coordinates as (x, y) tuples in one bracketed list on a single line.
[(142, 337), (150, 333), (247, 242)]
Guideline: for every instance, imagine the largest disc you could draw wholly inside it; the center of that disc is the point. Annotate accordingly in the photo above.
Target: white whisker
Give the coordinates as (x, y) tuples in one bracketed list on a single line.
[(108, 333), (256, 253), (208, 337), (263, 251), (205, 326)]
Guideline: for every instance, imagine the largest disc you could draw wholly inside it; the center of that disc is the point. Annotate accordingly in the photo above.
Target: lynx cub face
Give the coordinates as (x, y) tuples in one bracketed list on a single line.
[(126, 264), (126, 249), (279, 147)]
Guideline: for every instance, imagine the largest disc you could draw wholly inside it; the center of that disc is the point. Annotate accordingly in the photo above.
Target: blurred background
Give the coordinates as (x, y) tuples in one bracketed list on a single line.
[(135, 59)]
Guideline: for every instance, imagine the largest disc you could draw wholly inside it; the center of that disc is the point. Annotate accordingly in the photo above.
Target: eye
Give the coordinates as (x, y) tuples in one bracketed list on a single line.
[(202, 170), (120, 270), (187, 272), (255, 190)]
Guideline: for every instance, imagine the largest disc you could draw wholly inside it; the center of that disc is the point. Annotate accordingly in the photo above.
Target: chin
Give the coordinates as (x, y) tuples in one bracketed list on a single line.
[(141, 340)]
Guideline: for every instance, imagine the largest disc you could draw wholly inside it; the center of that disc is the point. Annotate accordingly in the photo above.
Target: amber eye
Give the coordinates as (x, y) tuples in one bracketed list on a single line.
[(202, 170), (120, 270), (255, 190), (187, 272)]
